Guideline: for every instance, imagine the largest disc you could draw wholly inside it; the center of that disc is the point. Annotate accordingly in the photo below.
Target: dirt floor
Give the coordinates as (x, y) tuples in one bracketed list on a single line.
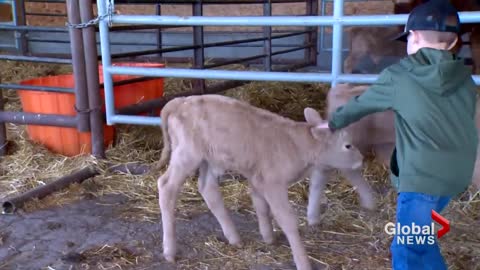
[(90, 234), (104, 233)]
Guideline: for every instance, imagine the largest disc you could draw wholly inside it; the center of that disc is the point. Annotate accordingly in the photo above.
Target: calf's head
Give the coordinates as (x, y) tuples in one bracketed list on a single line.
[(332, 149)]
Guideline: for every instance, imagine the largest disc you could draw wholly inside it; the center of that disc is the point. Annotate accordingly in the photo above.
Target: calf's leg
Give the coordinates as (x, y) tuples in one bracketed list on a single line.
[(318, 181), (263, 215), (383, 152), (277, 197), (476, 174), (169, 185), (367, 199), (210, 191)]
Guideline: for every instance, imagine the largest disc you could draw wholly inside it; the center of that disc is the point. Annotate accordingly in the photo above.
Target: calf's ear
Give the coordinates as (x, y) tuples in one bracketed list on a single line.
[(318, 131), (312, 116)]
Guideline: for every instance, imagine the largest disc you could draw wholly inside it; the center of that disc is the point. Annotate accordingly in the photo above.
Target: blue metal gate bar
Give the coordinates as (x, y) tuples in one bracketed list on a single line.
[(337, 37), (352, 20), (236, 75), (248, 75), (337, 21)]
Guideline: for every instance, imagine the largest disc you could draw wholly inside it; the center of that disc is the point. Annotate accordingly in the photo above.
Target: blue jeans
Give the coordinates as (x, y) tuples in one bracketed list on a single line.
[(417, 208)]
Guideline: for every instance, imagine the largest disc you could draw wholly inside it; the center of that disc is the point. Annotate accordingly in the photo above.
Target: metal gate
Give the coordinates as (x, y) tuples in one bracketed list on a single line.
[(107, 18)]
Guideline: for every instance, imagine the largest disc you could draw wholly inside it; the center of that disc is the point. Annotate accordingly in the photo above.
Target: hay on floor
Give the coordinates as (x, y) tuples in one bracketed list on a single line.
[(348, 237)]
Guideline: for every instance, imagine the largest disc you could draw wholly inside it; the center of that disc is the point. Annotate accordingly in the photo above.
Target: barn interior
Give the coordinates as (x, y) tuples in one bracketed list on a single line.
[(110, 219)]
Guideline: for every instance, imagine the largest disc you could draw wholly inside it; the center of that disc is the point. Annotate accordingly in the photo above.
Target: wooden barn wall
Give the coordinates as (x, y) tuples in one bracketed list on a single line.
[(352, 7)]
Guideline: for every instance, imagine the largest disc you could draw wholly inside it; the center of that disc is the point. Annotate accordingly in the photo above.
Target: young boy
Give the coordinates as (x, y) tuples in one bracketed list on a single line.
[(433, 96)]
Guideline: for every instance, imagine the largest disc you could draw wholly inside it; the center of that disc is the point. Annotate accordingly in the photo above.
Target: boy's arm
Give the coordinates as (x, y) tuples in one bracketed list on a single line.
[(378, 97)]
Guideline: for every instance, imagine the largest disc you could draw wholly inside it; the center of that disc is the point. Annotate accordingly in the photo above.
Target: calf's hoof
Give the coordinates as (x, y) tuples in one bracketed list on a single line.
[(237, 244), (314, 220), (313, 223), (234, 239), (269, 239), (315, 217), (369, 204), (169, 258)]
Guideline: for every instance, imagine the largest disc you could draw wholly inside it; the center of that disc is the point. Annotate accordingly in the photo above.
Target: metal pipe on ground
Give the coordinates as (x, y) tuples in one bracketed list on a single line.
[(78, 60), (10, 205), (93, 89)]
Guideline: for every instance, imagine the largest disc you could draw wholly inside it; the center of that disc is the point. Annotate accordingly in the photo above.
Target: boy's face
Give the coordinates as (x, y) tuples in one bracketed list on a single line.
[(413, 42)]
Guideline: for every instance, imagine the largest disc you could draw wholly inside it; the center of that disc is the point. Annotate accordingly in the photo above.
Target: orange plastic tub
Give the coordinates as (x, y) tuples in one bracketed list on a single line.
[(69, 141)]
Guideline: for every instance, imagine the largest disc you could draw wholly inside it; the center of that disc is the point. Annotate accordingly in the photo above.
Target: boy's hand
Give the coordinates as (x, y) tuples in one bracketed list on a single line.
[(332, 129), (331, 126), (327, 125)]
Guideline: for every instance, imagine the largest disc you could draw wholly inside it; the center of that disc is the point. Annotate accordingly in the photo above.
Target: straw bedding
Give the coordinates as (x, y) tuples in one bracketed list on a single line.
[(348, 237)]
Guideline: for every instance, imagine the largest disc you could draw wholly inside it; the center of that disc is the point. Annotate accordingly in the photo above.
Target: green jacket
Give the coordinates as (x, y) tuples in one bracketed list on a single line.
[(434, 98)]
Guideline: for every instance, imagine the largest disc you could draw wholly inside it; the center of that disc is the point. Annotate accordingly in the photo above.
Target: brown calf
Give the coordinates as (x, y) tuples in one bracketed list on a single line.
[(370, 49)]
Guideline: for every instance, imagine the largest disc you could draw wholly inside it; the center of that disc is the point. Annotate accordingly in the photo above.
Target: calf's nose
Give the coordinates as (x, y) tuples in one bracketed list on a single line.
[(357, 165)]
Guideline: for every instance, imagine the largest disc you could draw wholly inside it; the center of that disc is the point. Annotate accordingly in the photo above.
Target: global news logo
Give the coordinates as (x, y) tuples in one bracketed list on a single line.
[(410, 234)]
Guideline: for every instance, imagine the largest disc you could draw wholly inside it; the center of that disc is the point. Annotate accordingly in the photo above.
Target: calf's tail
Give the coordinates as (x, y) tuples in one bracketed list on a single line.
[(170, 107)]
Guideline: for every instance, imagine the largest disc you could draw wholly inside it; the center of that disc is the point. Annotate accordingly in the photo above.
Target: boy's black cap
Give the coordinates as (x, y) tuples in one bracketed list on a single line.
[(434, 15)]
